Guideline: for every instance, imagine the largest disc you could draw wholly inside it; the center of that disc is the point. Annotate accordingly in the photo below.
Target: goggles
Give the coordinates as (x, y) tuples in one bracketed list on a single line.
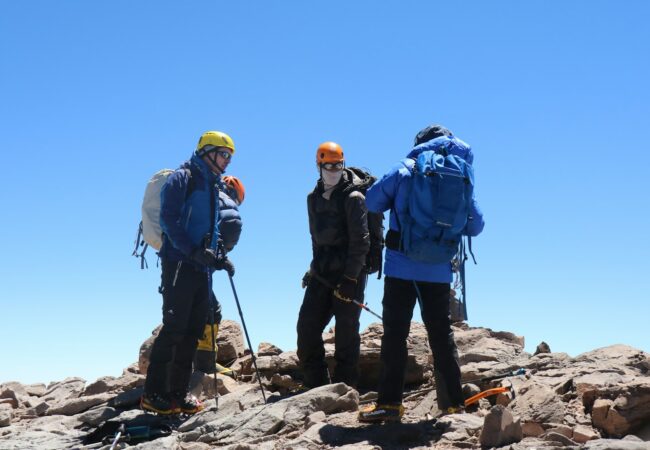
[(333, 166), (224, 154)]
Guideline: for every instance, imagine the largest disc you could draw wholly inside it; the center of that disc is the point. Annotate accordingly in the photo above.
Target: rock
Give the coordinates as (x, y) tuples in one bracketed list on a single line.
[(165, 443), (560, 429), (127, 399), (314, 418), (77, 405), (36, 390), (39, 409), (268, 419), (619, 410), (542, 347), (5, 417), (267, 349), (560, 400), (64, 390), (558, 437), (230, 341), (283, 381), (536, 402), (500, 428), (112, 384), (41, 440), (614, 444), (98, 415), (15, 393), (582, 434), (532, 429)]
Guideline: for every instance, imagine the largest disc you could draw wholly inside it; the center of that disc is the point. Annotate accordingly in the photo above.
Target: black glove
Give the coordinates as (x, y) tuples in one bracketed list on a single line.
[(225, 264), (204, 256), (306, 278), (346, 289)]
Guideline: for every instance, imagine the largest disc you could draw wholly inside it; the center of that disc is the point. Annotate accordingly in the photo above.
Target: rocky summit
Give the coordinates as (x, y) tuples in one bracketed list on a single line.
[(597, 400)]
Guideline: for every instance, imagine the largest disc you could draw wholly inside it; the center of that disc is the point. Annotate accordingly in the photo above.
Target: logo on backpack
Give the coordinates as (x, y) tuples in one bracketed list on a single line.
[(439, 200)]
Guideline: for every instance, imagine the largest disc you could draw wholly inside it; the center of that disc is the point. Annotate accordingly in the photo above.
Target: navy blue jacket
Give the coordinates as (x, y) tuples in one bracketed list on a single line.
[(189, 209), (391, 193)]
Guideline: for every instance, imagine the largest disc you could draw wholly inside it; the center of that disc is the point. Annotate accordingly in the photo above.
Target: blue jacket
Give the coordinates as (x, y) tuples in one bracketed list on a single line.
[(189, 210), (391, 193)]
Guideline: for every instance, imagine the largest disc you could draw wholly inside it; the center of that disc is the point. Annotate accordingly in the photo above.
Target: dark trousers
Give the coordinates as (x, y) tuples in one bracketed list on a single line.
[(185, 313), (318, 308), (398, 303)]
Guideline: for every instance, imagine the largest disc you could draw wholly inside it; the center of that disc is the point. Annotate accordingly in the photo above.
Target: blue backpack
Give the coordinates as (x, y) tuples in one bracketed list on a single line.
[(439, 200)]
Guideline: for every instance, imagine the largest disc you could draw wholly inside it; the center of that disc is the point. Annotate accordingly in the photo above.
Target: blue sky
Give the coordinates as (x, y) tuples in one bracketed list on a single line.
[(97, 96)]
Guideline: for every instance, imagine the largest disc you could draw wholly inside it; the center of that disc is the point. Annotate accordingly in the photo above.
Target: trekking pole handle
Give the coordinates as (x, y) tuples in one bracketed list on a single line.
[(329, 285)]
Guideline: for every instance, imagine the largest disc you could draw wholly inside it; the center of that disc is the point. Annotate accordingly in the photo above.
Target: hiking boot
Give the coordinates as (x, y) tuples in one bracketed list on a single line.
[(381, 413), (158, 403), (187, 403)]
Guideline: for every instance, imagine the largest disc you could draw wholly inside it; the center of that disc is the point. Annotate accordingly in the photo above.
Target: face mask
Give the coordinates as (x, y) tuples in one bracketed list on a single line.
[(331, 178)]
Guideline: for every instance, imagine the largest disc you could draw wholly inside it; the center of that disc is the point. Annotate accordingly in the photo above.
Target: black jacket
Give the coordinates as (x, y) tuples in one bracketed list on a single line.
[(339, 226)]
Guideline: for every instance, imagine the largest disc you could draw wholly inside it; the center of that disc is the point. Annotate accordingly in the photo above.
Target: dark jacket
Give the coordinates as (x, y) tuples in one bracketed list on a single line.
[(230, 223), (188, 210), (339, 226)]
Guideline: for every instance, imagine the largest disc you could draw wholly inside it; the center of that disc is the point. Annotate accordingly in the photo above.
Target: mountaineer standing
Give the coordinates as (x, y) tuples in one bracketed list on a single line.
[(430, 196), (338, 223), (189, 253)]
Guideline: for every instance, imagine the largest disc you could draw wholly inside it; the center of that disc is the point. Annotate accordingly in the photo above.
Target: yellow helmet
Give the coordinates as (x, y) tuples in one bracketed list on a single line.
[(214, 139)]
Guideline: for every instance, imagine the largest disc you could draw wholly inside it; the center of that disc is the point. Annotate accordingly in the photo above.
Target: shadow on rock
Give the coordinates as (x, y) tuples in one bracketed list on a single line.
[(387, 436)]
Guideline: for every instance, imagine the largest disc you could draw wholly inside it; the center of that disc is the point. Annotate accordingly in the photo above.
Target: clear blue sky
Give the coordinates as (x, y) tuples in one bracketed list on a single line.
[(96, 96)]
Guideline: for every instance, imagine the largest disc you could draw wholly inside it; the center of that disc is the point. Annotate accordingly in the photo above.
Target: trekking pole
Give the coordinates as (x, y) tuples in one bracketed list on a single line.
[(248, 339), (329, 285), (214, 349), (120, 430)]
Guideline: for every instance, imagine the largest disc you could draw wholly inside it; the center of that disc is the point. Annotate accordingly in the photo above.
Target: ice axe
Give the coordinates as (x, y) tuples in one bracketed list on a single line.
[(329, 285)]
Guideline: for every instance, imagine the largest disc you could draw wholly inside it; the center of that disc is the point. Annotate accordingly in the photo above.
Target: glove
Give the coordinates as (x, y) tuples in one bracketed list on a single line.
[(225, 264), (346, 289), (306, 278), (204, 256)]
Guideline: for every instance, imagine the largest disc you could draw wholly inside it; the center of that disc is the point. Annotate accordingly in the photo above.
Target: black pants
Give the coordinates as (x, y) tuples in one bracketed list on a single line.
[(185, 313), (318, 308), (398, 303)]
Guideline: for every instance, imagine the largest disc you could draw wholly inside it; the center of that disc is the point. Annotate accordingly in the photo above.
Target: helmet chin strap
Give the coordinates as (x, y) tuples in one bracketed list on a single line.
[(212, 157)]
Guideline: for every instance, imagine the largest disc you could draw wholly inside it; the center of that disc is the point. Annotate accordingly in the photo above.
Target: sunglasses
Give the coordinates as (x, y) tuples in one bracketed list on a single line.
[(224, 154), (332, 166)]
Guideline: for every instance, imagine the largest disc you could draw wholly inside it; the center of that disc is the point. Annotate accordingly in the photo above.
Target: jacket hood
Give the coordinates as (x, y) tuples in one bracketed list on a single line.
[(452, 145)]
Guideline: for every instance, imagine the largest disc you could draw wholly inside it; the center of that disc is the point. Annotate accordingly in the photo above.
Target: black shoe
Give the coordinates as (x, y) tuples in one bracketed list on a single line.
[(187, 403), (158, 403)]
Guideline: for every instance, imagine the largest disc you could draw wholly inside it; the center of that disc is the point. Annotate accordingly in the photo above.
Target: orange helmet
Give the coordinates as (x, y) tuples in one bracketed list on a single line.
[(238, 186), (329, 152)]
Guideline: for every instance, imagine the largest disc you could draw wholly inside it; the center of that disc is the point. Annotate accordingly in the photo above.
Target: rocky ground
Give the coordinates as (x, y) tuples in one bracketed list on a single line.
[(598, 400)]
